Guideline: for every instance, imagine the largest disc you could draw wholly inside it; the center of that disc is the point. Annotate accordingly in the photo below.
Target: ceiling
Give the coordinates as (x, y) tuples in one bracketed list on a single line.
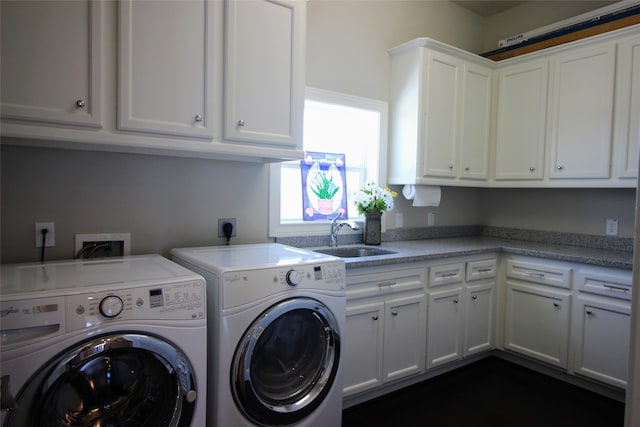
[(487, 8)]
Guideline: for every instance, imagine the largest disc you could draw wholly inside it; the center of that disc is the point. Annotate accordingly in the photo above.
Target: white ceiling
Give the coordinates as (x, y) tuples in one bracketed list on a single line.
[(487, 8)]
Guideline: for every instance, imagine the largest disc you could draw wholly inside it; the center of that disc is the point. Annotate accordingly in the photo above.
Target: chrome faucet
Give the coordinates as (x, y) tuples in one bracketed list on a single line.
[(337, 225)]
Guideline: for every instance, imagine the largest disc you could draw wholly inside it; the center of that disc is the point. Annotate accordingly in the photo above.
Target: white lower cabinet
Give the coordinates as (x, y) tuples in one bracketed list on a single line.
[(537, 322), (460, 310), (403, 320), (538, 307), (445, 327), (385, 327), (602, 322), (480, 314), (602, 329)]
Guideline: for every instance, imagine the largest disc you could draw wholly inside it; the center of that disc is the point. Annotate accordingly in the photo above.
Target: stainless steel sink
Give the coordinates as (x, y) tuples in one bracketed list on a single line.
[(354, 251)]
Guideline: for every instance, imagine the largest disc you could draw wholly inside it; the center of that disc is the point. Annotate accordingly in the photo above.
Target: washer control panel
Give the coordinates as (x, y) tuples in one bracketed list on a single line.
[(243, 286), (175, 301)]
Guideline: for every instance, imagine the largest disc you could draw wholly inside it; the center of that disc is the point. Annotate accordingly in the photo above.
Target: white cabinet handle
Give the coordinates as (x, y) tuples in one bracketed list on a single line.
[(560, 167), (467, 168), (475, 297), (532, 169), (240, 123), (556, 305), (589, 312), (395, 313), (80, 103), (198, 117), (450, 167), (374, 318), (455, 300)]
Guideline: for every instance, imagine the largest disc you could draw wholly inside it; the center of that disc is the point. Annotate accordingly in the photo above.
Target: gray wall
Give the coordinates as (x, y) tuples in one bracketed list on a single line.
[(167, 202)]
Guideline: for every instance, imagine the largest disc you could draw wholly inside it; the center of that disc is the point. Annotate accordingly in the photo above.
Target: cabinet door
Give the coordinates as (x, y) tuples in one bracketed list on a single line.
[(537, 323), (522, 106), (404, 337), (602, 340), (445, 327), (264, 71), (627, 112), (51, 61), (475, 122), (363, 347), (581, 113), (479, 323), (441, 114), (165, 76)]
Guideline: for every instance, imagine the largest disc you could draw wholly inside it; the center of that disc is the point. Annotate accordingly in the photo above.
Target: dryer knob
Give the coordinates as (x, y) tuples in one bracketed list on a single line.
[(293, 278), (111, 306)]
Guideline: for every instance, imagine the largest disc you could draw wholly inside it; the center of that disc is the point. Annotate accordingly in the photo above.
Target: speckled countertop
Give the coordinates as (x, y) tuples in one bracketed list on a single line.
[(429, 249), (422, 244)]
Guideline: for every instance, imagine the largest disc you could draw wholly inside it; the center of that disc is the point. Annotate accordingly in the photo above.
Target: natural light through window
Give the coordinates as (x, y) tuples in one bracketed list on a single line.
[(333, 123)]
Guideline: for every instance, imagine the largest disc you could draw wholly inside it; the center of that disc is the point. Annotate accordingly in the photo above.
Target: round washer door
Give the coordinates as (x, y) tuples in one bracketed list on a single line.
[(286, 362), (125, 379)]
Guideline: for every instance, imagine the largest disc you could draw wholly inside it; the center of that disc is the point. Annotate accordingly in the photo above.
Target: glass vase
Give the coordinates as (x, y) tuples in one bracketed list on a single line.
[(372, 228)]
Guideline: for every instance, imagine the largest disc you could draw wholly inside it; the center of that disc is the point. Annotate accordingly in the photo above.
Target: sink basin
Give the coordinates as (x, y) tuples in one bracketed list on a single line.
[(354, 251)]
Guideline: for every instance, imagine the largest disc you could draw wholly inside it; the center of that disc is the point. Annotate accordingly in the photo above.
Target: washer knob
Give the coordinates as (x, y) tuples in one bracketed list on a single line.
[(111, 306), (293, 278)]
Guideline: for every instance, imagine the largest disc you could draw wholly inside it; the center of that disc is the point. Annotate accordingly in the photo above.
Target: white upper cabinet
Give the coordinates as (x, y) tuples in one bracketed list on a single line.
[(198, 78), (51, 62), (581, 112), (440, 115), (521, 121), (475, 122), (264, 73), (627, 110), (442, 90), (165, 78)]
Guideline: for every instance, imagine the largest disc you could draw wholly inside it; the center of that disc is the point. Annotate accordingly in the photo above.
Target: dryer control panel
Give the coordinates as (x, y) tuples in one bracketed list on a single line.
[(244, 286)]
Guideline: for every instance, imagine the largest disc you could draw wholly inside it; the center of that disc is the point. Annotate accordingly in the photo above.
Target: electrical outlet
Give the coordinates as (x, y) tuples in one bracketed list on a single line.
[(431, 218), (222, 222), (49, 238), (399, 220), (611, 227)]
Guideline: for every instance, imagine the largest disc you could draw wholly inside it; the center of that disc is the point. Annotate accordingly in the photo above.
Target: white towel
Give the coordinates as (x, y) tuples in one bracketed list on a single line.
[(422, 195)]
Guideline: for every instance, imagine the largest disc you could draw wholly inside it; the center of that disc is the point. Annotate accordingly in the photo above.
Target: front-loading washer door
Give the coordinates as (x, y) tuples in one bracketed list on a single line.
[(125, 379), (286, 362)]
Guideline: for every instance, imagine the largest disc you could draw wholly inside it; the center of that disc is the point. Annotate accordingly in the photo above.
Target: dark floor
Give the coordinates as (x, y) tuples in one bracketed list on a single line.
[(489, 393)]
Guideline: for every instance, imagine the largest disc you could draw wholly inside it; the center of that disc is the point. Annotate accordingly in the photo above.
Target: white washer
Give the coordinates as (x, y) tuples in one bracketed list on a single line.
[(276, 319), (110, 342)]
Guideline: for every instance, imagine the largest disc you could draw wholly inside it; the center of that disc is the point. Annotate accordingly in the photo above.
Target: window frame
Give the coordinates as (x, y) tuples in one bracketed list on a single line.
[(318, 228)]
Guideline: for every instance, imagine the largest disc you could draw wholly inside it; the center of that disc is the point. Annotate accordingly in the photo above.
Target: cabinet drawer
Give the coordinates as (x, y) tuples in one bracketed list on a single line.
[(446, 274), (543, 273), (481, 269), (606, 282), (384, 282)]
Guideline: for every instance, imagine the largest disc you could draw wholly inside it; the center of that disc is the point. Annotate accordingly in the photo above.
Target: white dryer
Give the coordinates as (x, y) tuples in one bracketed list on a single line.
[(109, 342), (276, 320)]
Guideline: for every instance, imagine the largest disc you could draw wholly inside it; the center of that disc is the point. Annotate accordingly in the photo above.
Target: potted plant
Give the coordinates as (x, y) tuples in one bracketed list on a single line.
[(371, 202)]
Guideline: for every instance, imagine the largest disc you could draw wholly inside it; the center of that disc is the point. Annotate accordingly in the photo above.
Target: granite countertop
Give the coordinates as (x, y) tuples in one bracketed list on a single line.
[(429, 249)]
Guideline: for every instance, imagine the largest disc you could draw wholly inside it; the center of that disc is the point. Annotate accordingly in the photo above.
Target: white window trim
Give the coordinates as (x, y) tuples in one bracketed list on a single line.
[(319, 228)]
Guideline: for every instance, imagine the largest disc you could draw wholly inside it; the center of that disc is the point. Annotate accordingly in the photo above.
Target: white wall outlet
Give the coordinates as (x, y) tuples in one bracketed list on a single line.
[(399, 220), (431, 218), (612, 227), (49, 238), (222, 221)]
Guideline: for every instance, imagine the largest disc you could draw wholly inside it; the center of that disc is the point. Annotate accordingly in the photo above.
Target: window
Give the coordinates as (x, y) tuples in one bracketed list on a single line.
[(333, 123)]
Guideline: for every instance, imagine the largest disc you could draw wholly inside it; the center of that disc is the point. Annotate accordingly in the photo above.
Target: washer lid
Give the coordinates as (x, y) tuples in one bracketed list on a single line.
[(249, 257), (79, 274)]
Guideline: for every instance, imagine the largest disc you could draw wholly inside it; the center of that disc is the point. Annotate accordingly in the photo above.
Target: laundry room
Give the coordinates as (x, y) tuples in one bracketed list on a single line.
[(105, 131)]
